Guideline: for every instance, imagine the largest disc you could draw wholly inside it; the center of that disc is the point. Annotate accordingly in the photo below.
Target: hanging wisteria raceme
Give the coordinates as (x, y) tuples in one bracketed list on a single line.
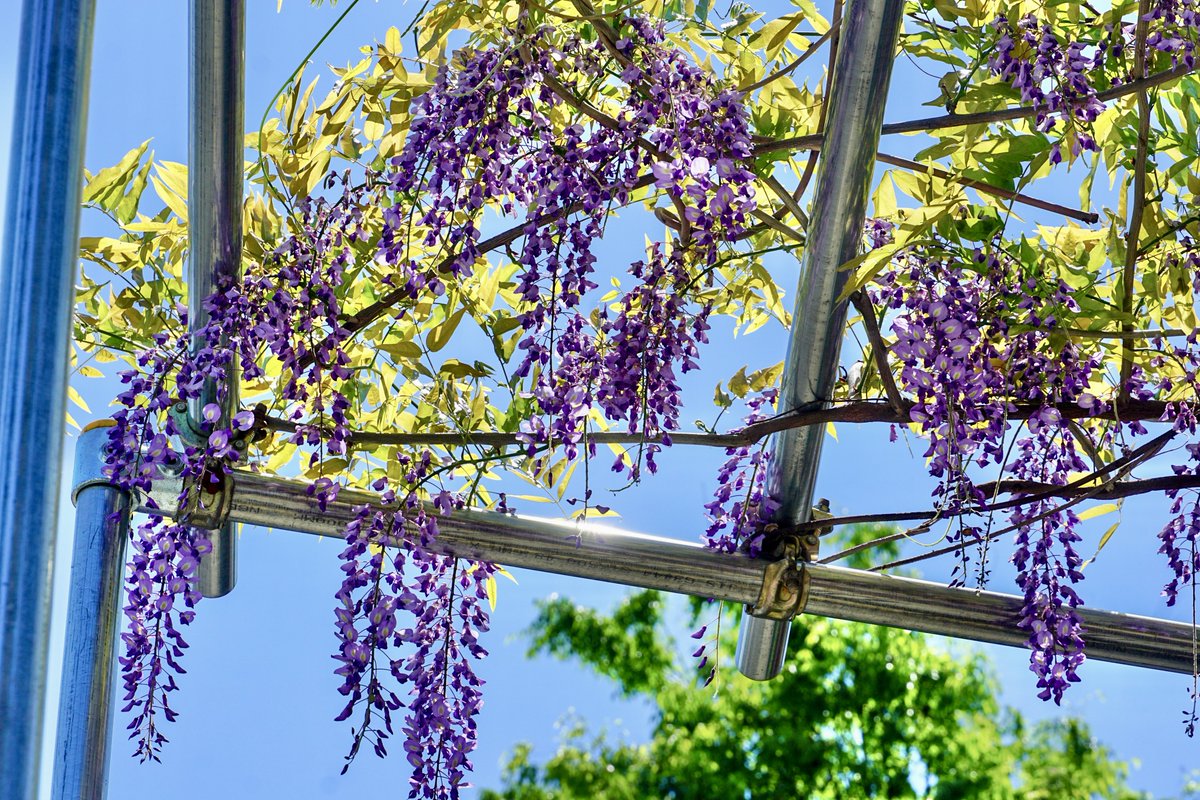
[(424, 666), (1174, 30), (738, 513), (960, 401), (1180, 537), (1047, 563), (281, 309), (1054, 79), (741, 505), (975, 338), (483, 134)]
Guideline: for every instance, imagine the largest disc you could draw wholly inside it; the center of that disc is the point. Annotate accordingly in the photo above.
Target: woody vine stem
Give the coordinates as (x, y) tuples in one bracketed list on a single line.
[(1031, 372)]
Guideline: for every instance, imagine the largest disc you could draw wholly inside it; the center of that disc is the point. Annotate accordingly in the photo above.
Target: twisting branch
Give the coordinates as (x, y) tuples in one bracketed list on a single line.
[(606, 32), (855, 412), (879, 350), (1139, 196), (987, 188)]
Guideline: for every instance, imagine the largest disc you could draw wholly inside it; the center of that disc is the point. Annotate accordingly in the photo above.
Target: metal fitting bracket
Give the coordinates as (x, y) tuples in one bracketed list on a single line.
[(207, 508), (188, 433), (784, 592)]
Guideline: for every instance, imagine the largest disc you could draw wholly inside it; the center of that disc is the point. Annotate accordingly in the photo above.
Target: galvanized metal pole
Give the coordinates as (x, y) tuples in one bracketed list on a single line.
[(37, 276), (672, 565), (858, 90), (216, 78), (93, 621)]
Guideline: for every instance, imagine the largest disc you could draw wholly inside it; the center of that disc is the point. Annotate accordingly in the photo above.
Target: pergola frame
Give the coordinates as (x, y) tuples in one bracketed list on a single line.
[(36, 284)]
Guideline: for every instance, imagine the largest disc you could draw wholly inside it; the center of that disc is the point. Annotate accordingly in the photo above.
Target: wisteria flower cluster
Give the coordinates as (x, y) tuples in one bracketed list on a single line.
[(390, 570), (738, 514), (1050, 76), (973, 340), (741, 505), (1175, 30), (483, 134), (274, 310)]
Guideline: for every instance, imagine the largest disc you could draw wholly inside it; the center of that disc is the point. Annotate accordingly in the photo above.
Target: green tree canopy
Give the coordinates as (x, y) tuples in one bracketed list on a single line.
[(859, 711)]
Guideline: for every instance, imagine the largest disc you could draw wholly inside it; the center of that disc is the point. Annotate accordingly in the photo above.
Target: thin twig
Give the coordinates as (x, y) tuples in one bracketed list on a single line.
[(789, 202), (987, 188), (927, 124), (1118, 469), (879, 350), (1147, 334), (790, 68), (855, 412)]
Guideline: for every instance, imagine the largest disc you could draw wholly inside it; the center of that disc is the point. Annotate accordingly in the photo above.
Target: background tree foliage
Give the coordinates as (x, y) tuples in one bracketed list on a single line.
[(859, 711)]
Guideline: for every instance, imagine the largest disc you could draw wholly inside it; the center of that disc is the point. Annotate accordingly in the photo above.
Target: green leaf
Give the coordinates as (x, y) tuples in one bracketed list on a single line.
[(1103, 541)]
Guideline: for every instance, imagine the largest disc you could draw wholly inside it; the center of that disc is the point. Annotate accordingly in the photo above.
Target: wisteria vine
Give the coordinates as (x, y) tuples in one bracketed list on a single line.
[(408, 619), (975, 335)]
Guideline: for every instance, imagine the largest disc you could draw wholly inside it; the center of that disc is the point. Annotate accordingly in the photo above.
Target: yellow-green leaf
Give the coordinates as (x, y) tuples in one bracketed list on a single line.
[(76, 399), (1100, 510), (440, 336)]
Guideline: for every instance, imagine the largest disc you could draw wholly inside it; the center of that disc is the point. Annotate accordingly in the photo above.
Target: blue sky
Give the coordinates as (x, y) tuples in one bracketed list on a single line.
[(258, 702)]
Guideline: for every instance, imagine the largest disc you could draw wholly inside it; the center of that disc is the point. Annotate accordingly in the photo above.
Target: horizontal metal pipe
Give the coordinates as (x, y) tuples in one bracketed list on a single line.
[(653, 562), (566, 548), (992, 617)]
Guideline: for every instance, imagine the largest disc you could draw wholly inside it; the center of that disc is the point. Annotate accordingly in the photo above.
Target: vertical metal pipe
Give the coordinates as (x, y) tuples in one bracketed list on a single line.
[(216, 43), (857, 93), (93, 620), (37, 272)]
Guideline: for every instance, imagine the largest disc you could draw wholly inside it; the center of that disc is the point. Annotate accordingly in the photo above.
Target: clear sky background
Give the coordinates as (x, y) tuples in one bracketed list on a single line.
[(259, 698)]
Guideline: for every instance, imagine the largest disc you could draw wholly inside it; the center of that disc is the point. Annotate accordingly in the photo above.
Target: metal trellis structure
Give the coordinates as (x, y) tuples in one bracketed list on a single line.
[(35, 311)]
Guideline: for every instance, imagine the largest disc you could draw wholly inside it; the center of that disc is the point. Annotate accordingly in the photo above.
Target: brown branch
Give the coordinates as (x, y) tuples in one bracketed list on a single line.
[(370, 439), (987, 188), (604, 31), (1112, 491), (772, 222), (879, 350), (1147, 334), (1117, 469), (1076, 495), (926, 124), (1139, 197), (862, 411), (789, 202), (1171, 230)]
